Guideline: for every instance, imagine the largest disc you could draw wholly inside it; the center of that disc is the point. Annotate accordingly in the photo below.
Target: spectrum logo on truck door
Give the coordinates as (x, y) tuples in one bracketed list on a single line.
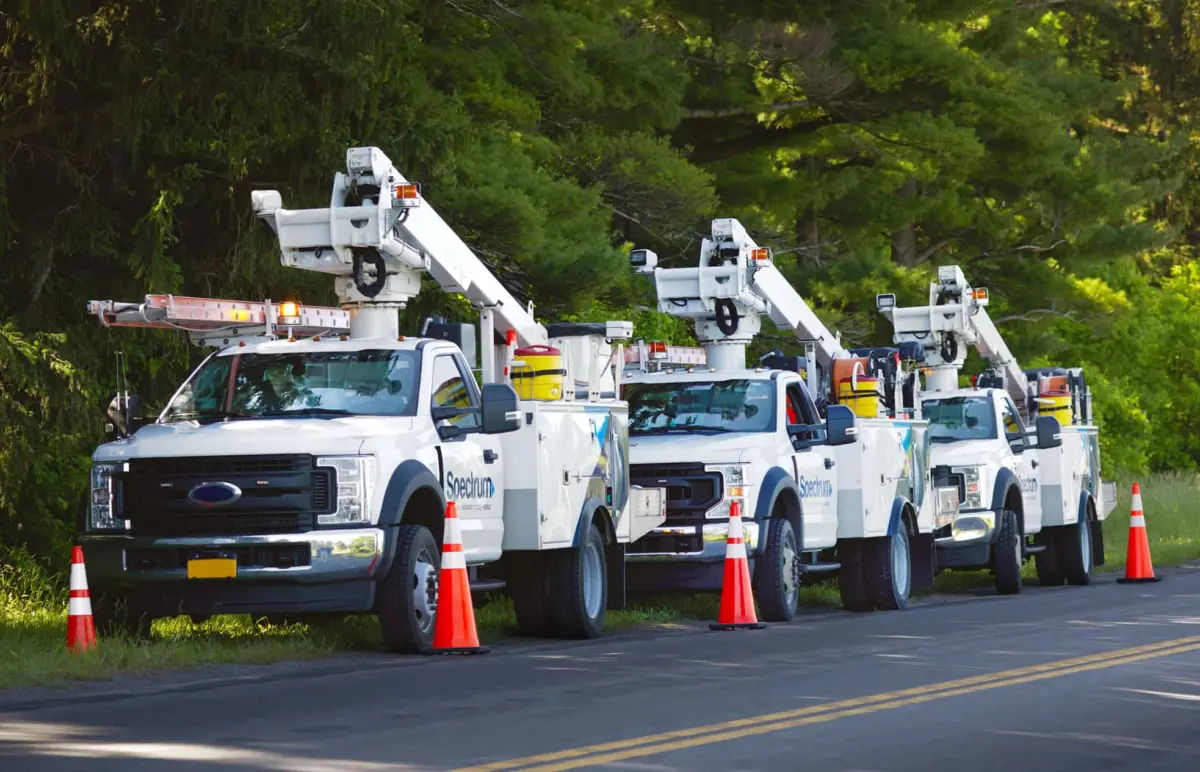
[(818, 489), (469, 486)]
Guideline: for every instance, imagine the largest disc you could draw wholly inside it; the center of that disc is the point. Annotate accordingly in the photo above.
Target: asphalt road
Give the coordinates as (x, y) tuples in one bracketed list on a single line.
[(1099, 678)]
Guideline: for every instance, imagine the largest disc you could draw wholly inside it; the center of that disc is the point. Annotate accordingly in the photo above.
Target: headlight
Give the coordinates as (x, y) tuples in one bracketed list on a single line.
[(102, 514), (735, 489), (355, 480), (973, 480)]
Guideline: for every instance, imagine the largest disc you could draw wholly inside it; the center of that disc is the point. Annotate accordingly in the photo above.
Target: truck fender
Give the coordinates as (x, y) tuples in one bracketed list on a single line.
[(774, 483), (898, 506), (408, 478), (1087, 505), (608, 528), (1005, 480)]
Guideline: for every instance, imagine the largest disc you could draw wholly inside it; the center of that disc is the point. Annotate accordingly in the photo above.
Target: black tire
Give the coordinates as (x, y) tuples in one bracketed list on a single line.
[(527, 582), (888, 588), (851, 583), (778, 573), (114, 615), (576, 602), (1075, 552), (1008, 555), (406, 627), (1049, 567)]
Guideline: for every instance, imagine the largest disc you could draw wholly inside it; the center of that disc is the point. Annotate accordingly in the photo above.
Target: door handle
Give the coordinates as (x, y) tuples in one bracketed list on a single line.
[(829, 463), (489, 455)]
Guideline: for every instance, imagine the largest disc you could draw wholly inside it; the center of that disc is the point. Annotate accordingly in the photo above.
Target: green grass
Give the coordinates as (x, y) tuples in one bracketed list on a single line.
[(33, 605)]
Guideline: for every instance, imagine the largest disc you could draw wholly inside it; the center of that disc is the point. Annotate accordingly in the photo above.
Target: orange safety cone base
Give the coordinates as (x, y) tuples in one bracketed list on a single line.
[(1138, 579), (743, 626), (473, 650)]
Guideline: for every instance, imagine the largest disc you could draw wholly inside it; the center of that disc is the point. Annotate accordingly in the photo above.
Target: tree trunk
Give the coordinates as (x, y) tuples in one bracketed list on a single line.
[(904, 240)]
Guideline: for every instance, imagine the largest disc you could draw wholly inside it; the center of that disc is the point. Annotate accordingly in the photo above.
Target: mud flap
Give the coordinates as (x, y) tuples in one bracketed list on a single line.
[(924, 560), (1097, 542)]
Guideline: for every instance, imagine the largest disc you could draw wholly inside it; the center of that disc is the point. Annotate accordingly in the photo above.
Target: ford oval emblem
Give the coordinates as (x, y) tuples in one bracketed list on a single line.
[(215, 494)]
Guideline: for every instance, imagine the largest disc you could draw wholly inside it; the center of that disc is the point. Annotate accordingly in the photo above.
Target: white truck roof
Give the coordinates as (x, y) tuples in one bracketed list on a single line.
[(331, 344), (703, 375)]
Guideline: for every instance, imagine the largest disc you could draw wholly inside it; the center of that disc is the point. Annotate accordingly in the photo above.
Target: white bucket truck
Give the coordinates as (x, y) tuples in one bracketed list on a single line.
[(847, 492), (304, 468), (1025, 490)]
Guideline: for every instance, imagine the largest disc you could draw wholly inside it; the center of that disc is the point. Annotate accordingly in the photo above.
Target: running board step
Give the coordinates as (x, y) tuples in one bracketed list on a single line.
[(819, 568), (1034, 549), (487, 585)]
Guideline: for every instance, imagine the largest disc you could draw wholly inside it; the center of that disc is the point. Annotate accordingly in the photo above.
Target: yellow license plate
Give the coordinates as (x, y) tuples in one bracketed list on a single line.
[(212, 568)]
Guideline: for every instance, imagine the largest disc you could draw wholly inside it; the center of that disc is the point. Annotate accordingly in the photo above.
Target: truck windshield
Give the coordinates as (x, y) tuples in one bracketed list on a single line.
[(327, 383), (959, 418), (740, 405)]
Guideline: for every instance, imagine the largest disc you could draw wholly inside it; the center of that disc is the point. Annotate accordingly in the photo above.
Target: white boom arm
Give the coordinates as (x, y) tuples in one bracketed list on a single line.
[(955, 319), (734, 285), (377, 236)]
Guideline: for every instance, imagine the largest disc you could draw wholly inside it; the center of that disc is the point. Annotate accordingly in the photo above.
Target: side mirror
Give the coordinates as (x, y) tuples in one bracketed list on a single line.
[(841, 425), (124, 416), (1049, 432), (499, 409)]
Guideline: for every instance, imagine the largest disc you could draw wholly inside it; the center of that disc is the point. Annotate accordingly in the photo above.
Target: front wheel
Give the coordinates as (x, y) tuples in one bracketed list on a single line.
[(778, 576), (407, 597), (1008, 555)]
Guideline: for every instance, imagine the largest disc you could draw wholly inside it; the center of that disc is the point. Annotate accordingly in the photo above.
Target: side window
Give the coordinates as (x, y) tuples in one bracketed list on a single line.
[(452, 389), (800, 410), (1012, 422)]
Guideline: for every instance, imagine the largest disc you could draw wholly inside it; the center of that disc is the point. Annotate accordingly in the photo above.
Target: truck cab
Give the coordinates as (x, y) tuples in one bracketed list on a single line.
[(749, 437)]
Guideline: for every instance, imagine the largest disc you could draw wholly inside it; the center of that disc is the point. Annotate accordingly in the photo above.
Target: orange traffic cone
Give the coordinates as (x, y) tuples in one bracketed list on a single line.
[(1137, 560), (454, 626), (737, 597), (81, 627)]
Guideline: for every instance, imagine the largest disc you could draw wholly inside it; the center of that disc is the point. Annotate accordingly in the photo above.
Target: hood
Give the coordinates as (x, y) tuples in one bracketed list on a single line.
[(259, 436), (701, 448), (965, 453)]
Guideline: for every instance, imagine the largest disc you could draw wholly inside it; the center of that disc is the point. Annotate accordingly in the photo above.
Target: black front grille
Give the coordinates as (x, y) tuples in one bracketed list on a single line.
[(279, 494), (257, 556), (691, 491)]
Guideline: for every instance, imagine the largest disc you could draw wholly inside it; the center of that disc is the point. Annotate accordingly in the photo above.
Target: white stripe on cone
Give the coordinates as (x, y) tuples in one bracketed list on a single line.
[(78, 577), (735, 551), (1137, 502), (453, 534), (1137, 521), (454, 560), (735, 527), (79, 607)]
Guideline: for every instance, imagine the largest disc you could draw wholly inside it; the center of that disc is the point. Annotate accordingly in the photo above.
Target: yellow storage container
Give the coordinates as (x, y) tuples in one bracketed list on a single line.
[(1057, 405), (540, 376), (864, 400)]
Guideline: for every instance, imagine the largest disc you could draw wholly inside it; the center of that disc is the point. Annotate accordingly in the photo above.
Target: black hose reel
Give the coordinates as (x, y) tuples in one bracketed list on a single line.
[(727, 316), (370, 256)]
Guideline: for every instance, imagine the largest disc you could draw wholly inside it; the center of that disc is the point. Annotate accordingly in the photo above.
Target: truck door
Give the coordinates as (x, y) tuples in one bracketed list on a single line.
[(472, 469), (813, 468), (1026, 464)]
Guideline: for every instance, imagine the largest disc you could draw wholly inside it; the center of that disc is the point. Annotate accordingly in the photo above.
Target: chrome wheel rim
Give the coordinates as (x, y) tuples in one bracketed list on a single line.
[(1085, 545), (900, 563), (791, 571), (425, 591), (593, 580)]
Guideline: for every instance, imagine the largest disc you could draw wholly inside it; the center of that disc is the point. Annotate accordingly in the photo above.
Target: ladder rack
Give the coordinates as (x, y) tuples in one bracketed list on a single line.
[(219, 322)]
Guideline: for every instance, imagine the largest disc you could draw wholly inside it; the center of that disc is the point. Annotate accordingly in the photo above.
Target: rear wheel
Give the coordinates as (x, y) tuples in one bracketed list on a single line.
[(407, 598), (1008, 555), (578, 588), (1048, 563), (888, 570), (778, 573), (851, 584), (1075, 552)]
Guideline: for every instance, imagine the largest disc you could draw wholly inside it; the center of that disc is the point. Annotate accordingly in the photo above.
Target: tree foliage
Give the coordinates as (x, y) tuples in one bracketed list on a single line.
[(1044, 146)]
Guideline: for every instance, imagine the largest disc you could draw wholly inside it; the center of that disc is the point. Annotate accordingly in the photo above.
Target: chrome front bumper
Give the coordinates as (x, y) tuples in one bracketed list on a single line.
[(712, 540), (333, 556), (970, 529)]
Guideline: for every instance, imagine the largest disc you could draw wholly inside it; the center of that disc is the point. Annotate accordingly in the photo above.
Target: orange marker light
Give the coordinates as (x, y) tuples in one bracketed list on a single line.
[(760, 255), (408, 190)]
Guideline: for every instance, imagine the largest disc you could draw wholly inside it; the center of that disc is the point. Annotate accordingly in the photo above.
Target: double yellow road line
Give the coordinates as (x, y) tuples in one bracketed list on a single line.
[(620, 750)]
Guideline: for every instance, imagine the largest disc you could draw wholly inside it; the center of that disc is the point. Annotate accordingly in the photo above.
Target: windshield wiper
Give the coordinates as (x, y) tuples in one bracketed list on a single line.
[(308, 411), (948, 439), (201, 415), (681, 430)]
